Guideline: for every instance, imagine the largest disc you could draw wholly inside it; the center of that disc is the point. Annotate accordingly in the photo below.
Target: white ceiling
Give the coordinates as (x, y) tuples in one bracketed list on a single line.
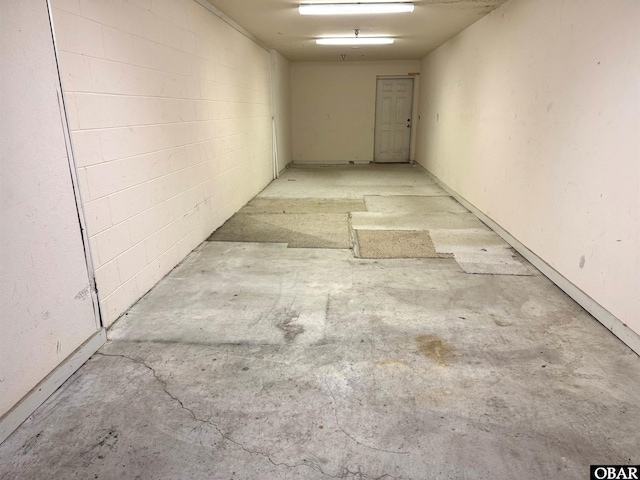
[(277, 24)]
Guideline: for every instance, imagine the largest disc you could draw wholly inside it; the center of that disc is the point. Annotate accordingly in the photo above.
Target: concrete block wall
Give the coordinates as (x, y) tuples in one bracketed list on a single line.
[(170, 117)]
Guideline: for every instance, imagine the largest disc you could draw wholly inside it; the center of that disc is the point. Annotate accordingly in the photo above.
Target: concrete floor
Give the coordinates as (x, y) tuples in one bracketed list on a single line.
[(259, 361)]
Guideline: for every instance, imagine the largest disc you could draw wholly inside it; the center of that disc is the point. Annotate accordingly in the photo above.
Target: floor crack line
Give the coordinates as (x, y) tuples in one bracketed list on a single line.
[(335, 412), (193, 415)]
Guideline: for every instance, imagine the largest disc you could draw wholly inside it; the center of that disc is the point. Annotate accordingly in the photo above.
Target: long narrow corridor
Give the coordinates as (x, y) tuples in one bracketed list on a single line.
[(349, 322)]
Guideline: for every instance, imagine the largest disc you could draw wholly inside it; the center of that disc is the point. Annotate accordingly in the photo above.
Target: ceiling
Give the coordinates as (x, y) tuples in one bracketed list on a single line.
[(278, 25)]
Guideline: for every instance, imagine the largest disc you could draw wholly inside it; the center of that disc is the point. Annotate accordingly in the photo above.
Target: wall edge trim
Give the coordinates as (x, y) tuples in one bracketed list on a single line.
[(73, 172), (43, 390), (601, 314)]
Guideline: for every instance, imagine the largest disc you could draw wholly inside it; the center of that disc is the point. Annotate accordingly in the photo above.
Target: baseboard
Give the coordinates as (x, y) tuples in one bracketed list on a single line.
[(37, 396), (606, 318), (324, 163)]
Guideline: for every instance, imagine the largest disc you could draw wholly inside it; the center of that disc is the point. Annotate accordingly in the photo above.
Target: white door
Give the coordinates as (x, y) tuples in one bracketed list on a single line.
[(394, 98)]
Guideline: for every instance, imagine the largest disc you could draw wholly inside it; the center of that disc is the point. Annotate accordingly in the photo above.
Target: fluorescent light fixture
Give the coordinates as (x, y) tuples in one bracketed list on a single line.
[(355, 41), (354, 8)]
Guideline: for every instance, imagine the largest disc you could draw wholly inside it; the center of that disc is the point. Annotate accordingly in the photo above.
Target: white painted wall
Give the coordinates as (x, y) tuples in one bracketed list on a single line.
[(45, 304), (281, 71), (533, 115), (333, 109), (171, 124)]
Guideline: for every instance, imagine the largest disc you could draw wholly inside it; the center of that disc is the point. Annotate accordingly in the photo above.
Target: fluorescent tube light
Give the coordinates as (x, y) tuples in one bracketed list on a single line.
[(355, 41), (354, 8)]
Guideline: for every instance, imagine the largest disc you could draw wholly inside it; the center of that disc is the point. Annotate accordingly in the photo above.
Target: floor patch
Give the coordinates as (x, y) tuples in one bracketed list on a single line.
[(414, 221), (491, 263), (303, 205), (412, 204), (322, 230), (479, 251), (467, 240), (395, 244), (352, 182)]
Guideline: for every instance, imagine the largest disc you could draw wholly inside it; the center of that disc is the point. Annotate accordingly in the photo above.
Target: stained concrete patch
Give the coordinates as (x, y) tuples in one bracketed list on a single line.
[(287, 322), (395, 244), (504, 263), (467, 240), (251, 294), (353, 192), (433, 347), (412, 204), (412, 221), (303, 205), (322, 230), (394, 270), (352, 182), (479, 251)]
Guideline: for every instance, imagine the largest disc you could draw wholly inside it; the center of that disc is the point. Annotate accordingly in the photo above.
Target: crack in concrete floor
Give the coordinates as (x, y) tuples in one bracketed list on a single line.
[(335, 412), (358, 474)]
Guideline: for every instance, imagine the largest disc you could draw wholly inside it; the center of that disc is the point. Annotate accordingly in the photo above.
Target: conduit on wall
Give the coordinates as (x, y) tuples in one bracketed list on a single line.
[(276, 173), (274, 111)]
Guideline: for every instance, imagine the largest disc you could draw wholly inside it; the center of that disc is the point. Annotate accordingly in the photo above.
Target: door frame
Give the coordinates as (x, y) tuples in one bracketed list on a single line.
[(414, 97)]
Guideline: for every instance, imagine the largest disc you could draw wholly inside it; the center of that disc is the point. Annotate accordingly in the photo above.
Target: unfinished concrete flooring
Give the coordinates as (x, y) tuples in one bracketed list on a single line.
[(262, 361)]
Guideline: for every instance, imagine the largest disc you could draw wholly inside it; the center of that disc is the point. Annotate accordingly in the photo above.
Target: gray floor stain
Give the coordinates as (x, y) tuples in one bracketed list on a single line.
[(286, 321)]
